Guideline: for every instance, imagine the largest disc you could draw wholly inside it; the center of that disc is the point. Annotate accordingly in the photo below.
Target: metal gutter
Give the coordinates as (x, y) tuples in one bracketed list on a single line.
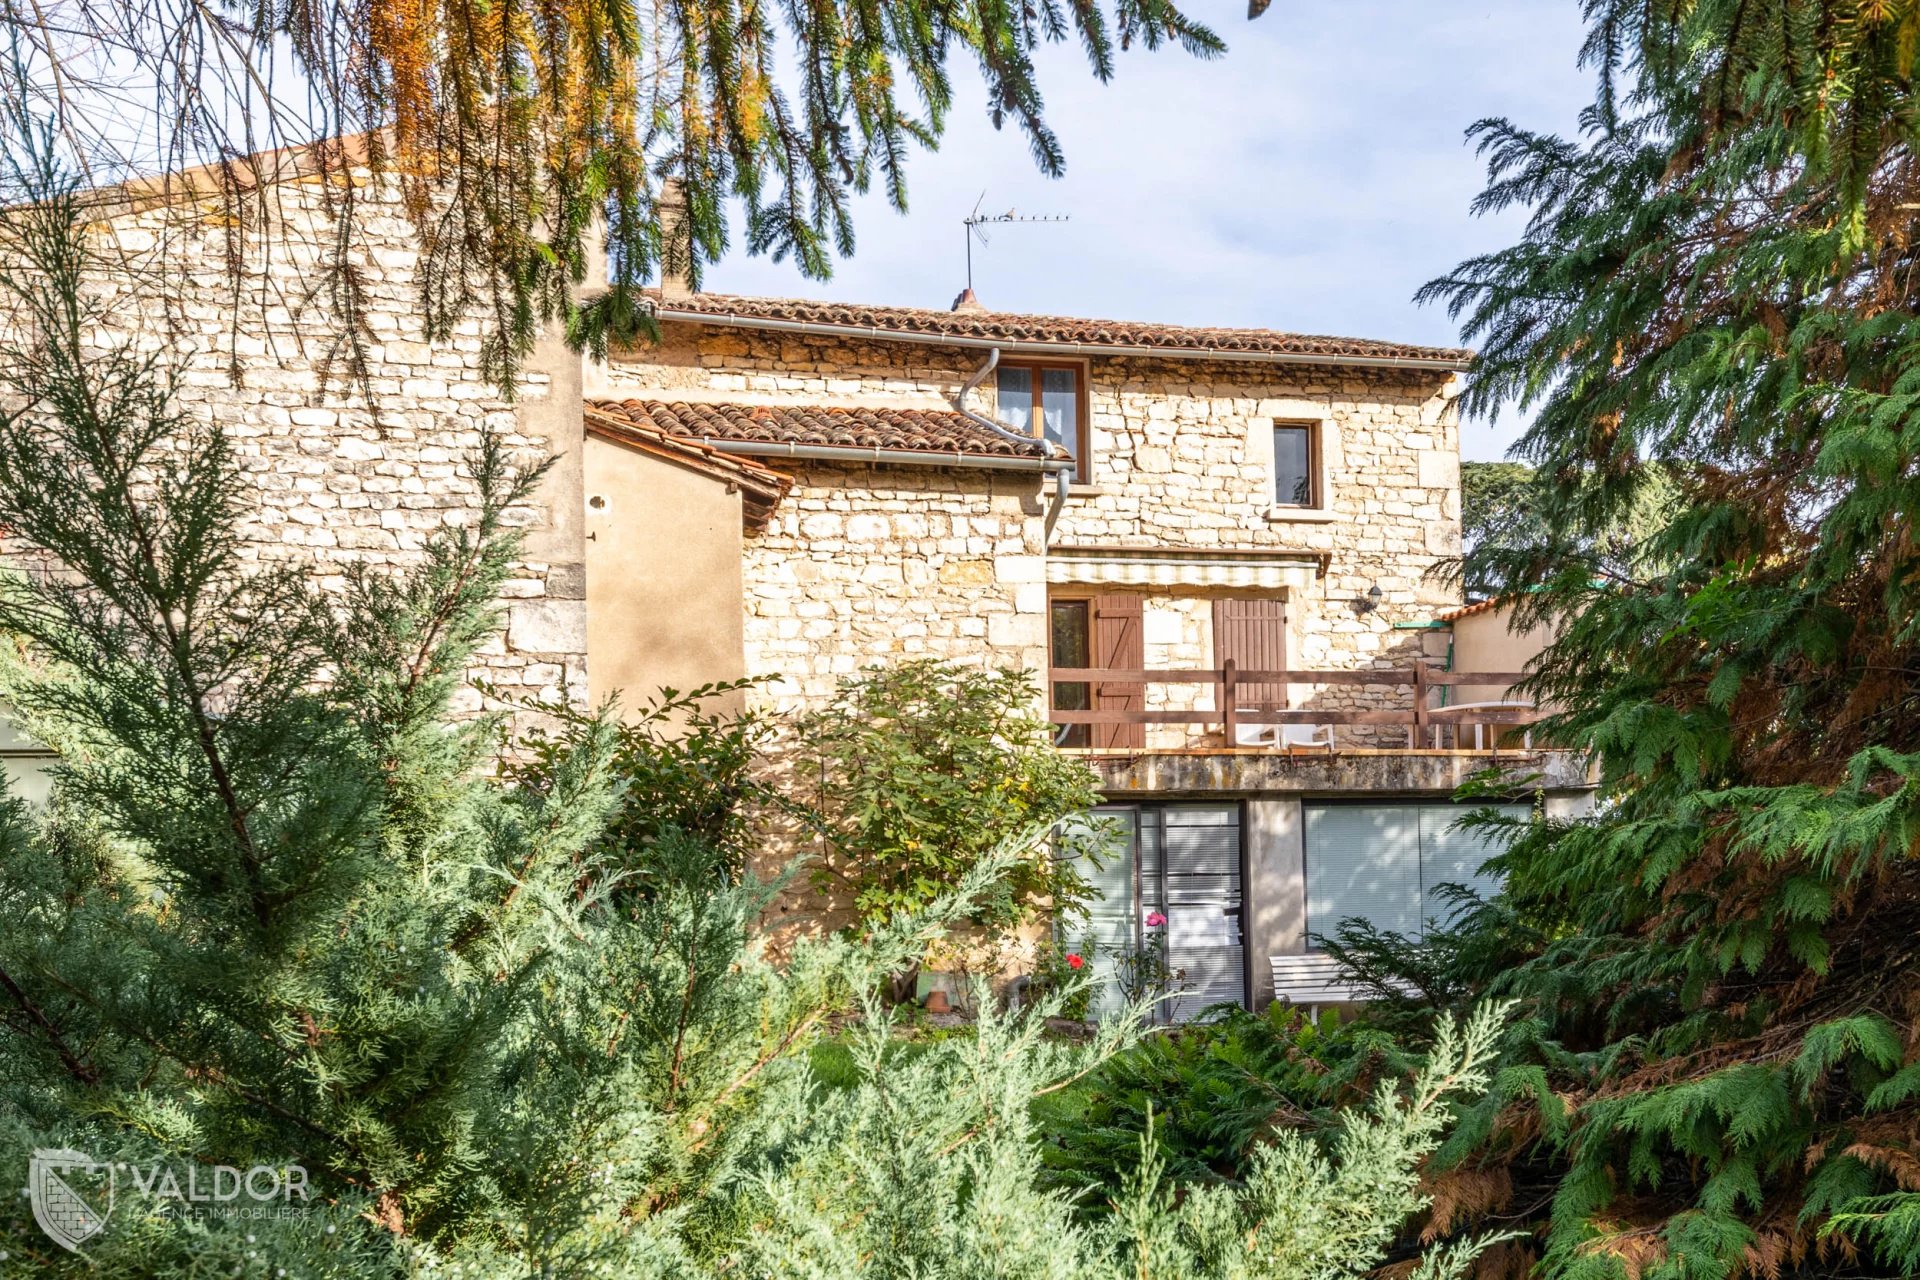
[(901, 457), (1017, 347)]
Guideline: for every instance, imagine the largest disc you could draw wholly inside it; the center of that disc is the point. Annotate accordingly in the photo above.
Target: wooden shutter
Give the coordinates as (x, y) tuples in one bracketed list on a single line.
[(1118, 646), (1254, 634)]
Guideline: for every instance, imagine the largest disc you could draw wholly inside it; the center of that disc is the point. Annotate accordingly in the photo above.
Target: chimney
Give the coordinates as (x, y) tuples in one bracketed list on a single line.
[(676, 241), (967, 301)]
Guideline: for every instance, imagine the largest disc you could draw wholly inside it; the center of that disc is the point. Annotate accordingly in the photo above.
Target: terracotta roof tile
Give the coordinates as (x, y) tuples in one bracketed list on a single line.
[(761, 487), (1478, 606), (1059, 331), (846, 426)]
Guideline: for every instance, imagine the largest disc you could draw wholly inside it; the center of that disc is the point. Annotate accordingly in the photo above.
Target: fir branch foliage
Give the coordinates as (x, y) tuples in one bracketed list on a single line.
[(530, 143), (1712, 294)]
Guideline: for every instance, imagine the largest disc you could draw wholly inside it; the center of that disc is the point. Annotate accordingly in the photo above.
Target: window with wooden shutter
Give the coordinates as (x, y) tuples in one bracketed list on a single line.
[(1118, 645), (1253, 633)]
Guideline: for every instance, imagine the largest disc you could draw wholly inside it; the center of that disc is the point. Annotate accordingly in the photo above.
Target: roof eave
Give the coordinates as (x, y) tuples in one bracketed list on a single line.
[(1435, 364), (875, 455)]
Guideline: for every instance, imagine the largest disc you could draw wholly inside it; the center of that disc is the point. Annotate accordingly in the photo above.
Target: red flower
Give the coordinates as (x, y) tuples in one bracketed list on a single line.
[(1074, 960), (1155, 919)]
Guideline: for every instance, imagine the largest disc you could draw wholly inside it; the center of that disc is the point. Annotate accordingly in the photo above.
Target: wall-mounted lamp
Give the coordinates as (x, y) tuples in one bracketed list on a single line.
[(1367, 603)]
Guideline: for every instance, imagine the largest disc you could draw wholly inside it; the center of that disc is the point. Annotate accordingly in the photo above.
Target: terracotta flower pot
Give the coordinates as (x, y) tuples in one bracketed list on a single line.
[(937, 1002)]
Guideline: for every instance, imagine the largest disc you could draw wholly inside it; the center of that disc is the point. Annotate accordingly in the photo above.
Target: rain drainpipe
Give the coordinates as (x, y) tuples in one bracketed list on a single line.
[(1061, 468)]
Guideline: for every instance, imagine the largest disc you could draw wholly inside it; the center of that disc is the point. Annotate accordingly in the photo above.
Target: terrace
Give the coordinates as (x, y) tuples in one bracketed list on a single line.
[(1249, 718), (1264, 730)]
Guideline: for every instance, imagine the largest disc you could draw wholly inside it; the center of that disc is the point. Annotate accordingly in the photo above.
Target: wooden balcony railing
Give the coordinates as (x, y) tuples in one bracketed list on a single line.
[(1232, 707)]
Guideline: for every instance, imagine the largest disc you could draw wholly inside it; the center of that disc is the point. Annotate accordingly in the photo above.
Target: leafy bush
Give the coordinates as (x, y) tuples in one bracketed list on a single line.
[(688, 773), (924, 767), (1142, 971), (1059, 967)]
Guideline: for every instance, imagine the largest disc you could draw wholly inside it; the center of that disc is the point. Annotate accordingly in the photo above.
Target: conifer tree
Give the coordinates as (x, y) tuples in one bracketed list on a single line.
[(1717, 1072), (532, 141)]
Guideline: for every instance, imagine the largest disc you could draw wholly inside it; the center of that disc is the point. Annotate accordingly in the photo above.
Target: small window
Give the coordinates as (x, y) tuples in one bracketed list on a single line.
[(1295, 464), (1072, 646), (1046, 400)]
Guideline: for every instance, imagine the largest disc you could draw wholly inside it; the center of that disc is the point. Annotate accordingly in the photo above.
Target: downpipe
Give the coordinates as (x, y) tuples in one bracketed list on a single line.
[(1061, 468)]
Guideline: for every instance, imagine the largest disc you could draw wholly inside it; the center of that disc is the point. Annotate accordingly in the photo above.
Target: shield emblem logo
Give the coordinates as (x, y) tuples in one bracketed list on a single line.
[(72, 1194)]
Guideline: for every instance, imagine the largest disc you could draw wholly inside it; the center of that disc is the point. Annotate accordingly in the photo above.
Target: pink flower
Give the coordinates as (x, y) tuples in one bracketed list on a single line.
[(1155, 919), (1075, 960)]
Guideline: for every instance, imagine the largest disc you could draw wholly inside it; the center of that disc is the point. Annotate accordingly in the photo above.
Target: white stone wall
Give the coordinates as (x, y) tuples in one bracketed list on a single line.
[(1182, 457), (333, 476), (871, 565)]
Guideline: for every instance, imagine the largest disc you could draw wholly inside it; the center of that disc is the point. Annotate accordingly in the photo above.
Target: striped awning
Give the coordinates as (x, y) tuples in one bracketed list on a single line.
[(1253, 569)]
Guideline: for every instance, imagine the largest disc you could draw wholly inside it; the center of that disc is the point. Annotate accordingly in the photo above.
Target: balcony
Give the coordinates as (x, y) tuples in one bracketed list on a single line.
[(1234, 710), (1234, 734)]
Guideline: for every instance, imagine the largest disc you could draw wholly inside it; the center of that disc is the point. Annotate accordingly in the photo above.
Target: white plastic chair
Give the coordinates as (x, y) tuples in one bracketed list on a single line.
[(1307, 735), (1282, 735)]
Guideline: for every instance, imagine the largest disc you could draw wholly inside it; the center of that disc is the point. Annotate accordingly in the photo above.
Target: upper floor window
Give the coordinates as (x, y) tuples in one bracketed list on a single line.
[(1046, 400), (1296, 465)]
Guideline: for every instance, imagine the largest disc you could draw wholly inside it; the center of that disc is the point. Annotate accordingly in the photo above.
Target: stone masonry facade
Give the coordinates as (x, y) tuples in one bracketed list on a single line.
[(864, 564), (873, 565), (335, 474), (860, 563)]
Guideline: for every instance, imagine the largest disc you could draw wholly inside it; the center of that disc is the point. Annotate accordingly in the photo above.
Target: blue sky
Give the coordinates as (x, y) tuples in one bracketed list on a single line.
[(1311, 180)]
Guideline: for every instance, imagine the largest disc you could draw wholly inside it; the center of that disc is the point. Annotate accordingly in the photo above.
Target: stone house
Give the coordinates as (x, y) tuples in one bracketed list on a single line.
[(794, 490), (1134, 509)]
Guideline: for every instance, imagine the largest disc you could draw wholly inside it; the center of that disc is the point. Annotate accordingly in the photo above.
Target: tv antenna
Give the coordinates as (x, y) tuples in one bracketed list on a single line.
[(976, 224)]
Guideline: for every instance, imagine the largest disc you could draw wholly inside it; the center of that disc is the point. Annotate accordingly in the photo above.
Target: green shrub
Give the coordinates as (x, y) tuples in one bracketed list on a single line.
[(921, 769), (1067, 969)]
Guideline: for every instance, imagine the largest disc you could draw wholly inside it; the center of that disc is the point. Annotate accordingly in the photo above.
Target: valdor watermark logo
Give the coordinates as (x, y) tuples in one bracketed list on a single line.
[(73, 1194)]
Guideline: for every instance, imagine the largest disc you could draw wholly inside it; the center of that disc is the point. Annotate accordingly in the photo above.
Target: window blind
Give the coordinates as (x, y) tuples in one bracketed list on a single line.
[(1362, 860), (1450, 854), (1387, 864)]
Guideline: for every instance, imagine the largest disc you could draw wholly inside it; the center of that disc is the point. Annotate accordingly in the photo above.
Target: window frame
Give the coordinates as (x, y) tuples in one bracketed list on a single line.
[(1083, 458), (1070, 735), (1316, 468)]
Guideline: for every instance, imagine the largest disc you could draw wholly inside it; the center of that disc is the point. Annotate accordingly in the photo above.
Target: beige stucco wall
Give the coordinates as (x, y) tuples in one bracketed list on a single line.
[(1488, 642), (663, 560)]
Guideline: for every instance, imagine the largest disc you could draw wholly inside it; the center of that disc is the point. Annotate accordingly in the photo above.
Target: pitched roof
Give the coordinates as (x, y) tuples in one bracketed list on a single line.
[(1478, 606), (1064, 334), (879, 430), (761, 487)]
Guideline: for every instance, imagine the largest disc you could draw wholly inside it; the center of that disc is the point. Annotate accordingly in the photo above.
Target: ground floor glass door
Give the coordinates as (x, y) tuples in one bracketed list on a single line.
[(1180, 866)]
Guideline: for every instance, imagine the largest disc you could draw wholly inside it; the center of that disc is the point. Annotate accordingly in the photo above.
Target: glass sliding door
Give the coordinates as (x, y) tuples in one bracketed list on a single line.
[(1180, 865), (1200, 892), (1113, 923)]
